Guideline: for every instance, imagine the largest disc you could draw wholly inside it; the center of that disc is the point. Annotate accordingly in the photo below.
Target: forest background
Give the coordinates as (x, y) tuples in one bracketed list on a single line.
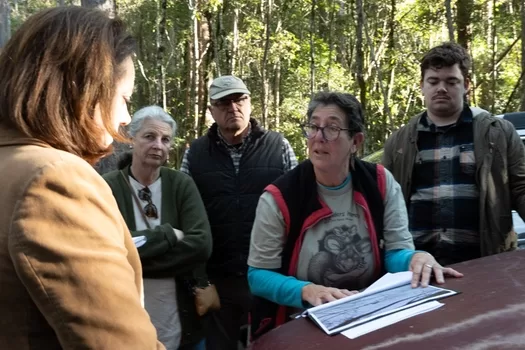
[(285, 50)]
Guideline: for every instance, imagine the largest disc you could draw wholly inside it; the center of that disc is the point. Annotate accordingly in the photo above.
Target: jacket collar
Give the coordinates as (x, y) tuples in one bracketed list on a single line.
[(477, 113)]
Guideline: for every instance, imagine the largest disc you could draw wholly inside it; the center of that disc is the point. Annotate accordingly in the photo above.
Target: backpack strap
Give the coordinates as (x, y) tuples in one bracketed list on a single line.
[(381, 180)]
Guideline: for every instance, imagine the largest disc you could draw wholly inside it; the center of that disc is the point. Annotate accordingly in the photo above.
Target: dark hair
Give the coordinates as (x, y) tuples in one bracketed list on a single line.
[(56, 69), (348, 103), (446, 55)]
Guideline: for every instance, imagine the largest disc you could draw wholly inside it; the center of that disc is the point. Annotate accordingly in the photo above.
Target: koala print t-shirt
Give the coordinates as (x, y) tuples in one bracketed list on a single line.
[(337, 251)]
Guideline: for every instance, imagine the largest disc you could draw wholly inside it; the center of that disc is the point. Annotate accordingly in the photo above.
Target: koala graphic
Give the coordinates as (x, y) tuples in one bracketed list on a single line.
[(341, 259)]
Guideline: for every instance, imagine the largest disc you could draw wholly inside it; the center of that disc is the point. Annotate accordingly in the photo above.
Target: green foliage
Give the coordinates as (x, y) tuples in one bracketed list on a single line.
[(391, 69)]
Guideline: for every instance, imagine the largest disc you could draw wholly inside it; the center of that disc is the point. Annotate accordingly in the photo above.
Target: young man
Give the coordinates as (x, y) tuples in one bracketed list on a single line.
[(462, 170), (231, 166)]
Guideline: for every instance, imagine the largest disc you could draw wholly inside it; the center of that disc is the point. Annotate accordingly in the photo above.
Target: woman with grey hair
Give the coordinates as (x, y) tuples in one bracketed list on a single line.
[(165, 214), (332, 225)]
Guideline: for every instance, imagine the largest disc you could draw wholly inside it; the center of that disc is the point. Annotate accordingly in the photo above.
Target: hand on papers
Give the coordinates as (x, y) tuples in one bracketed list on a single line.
[(423, 265), (316, 294)]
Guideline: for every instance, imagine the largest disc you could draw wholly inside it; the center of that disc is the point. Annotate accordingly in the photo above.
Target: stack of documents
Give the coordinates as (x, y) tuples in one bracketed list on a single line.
[(389, 300)]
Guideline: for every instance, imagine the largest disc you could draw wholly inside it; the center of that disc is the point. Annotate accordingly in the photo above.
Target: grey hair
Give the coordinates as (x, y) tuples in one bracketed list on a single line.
[(348, 103), (150, 112)]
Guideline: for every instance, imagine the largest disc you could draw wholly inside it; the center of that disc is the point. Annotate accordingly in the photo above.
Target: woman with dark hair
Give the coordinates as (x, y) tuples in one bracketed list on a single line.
[(332, 225), (70, 274), (164, 212)]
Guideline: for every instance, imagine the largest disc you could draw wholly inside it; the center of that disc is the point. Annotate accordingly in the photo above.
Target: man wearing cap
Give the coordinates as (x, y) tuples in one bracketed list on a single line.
[(231, 165)]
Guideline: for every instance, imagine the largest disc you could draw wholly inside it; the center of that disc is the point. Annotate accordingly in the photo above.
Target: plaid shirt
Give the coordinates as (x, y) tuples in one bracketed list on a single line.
[(236, 151), (444, 209)]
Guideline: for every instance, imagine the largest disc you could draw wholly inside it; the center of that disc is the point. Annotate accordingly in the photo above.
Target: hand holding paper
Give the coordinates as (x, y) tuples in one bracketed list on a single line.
[(390, 295)]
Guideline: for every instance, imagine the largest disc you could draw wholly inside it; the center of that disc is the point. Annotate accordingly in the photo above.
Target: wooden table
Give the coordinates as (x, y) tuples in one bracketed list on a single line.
[(488, 314)]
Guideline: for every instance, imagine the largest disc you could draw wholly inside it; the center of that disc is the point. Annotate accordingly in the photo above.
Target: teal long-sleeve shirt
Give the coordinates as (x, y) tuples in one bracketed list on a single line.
[(286, 290)]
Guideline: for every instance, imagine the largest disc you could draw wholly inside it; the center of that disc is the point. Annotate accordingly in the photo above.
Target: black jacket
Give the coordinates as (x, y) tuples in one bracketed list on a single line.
[(231, 199)]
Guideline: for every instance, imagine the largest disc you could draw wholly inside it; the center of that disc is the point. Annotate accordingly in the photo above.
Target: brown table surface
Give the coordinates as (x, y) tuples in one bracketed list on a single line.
[(488, 314)]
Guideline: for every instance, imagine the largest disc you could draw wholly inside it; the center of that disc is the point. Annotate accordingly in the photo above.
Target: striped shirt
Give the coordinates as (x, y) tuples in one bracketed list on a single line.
[(444, 203), (236, 151)]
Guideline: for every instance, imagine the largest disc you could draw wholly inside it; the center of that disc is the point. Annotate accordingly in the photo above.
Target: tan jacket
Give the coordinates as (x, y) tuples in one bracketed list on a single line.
[(500, 174), (70, 275)]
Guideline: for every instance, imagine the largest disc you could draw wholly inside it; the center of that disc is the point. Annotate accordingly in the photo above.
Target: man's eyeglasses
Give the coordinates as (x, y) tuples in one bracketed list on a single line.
[(329, 132), (225, 103), (150, 210)]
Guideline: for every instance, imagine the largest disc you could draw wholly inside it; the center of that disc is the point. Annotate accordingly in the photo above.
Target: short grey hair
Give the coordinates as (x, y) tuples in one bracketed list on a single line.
[(348, 103), (150, 112)]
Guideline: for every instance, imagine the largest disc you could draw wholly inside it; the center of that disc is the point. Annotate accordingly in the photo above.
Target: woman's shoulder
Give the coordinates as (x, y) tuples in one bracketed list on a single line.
[(33, 165), (32, 159)]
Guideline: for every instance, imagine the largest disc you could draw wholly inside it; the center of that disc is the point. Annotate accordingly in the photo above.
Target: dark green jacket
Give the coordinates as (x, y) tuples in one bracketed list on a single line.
[(163, 255), (500, 174)]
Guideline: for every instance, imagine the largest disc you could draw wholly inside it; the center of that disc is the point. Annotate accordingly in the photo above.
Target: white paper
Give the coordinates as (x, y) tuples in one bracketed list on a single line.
[(371, 326), (139, 241), (390, 280), (389, 295), (370, 306)]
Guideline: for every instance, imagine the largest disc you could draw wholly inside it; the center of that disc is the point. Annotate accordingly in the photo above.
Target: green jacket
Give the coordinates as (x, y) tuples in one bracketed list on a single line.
[(163, 255), (500, 174)]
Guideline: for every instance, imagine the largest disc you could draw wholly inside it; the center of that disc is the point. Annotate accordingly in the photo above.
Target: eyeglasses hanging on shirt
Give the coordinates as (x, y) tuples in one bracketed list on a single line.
[(150, 210)]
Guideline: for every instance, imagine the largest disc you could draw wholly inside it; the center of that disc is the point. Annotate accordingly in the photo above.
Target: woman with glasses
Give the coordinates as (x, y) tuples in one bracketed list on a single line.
[(332, 225), (165, 214)]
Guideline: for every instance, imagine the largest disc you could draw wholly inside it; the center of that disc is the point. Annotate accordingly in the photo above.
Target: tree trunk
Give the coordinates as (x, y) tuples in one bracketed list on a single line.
[(465, 8), (312, 48), (330, 43), (376, 63), (108, 6), (359, 56), (207, 74), (204, 42), (277, 94), (489, 61), (235, 41), (5, 22), (195, 68), (264, 63), (522, 104), (189, 83), (391, 58), (160, 91), (450, 24), (61, 3), (216, 32), (494, 75)]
